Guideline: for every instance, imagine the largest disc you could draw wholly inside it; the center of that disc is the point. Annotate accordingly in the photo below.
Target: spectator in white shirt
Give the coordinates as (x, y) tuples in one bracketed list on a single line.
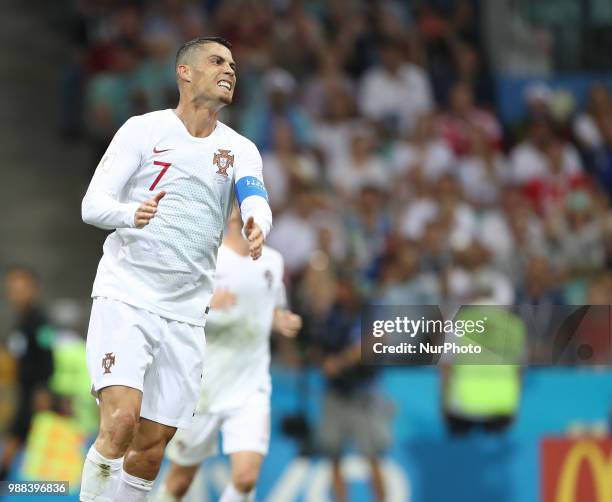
[(361, 167), (395, 92), (586, 125), (530, 160), (482, 171), (425, 152)]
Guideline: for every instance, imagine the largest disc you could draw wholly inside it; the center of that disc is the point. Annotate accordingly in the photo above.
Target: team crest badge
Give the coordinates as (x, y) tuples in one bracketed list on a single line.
[(108, 361), (223, 160)]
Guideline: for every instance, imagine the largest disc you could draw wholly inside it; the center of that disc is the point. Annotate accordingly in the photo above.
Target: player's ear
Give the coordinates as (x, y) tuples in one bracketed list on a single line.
[(183, 72)]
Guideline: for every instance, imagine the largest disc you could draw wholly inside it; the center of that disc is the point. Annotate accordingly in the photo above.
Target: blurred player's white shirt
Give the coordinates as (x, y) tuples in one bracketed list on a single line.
[(237, 358), (168, 266)]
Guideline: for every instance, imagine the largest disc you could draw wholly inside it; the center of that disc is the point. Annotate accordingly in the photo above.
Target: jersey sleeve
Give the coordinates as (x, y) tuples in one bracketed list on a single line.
[(100, 206), (250, 190)]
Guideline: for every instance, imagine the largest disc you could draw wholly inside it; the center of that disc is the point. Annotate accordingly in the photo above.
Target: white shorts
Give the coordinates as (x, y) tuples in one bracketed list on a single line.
[(162, 358), (243, 429)]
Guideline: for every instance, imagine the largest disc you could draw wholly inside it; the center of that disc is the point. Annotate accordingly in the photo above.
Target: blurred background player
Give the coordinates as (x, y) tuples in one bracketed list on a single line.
[(248, 303), (145, 342), (31, 346)]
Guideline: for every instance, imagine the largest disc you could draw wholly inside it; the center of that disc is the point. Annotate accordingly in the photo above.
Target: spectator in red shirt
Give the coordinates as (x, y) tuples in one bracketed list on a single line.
[(462, 115)]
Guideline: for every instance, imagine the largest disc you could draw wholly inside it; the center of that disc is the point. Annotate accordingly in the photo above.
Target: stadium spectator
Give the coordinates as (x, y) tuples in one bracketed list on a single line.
[(543, 153), (332, 131), (369, 229), (588, 124), (599, 159), (482, 171), (111, 97), (403, 282), (294, 234), (578, 234), (278, 106), (540, 284), (395, 92), (424, 152), (512, 232), (362, 166), (473, 279), (287, 167), (463, 115), (353, 410)]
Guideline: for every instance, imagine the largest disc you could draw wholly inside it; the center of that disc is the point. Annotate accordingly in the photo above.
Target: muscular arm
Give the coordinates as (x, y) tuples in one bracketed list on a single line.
[(101, 206)]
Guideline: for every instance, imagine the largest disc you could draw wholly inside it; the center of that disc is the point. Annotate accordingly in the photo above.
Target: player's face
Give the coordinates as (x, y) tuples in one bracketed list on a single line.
[(214, 74)]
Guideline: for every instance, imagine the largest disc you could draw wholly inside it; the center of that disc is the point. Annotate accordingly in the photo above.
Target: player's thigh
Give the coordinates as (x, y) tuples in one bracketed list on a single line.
[(121, 342), (172, 383), (247, 428), (190, 446)]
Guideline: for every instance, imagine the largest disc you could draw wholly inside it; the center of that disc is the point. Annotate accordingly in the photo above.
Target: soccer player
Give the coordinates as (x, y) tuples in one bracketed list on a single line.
[(248, 303), (166, 184)]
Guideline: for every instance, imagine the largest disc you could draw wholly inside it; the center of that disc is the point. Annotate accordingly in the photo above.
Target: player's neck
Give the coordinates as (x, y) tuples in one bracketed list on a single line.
[(200, 120), (236, 243)]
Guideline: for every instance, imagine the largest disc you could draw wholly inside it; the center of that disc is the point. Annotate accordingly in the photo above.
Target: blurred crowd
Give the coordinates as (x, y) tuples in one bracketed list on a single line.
[(384, 157)]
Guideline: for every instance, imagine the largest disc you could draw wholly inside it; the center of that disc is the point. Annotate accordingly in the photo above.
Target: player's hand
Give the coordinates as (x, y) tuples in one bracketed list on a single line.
[(255, 237), (287, 323), (223, 299), (147, 210)]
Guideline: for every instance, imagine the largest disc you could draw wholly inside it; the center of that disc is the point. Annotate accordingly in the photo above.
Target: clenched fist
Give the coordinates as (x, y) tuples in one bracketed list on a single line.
[(286, 323)]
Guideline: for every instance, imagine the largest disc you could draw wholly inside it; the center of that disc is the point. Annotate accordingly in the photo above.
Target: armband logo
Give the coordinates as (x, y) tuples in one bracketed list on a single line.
[(223, 160), (254, 182)]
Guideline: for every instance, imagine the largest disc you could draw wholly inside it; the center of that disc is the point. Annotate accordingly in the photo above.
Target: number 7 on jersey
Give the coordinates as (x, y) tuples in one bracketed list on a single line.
[(165, 166)]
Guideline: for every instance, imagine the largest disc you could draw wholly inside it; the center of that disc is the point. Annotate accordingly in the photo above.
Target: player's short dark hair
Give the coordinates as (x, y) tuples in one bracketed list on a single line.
[(189, 47)]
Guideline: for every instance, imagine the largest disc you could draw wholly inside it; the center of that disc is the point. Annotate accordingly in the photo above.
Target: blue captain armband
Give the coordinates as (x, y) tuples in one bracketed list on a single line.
[(250, 185)]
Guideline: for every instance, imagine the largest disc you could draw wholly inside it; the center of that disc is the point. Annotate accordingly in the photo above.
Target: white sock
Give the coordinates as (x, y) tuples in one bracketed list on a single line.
[(163, 495), (132, 489), (100, 477), (231, 494)]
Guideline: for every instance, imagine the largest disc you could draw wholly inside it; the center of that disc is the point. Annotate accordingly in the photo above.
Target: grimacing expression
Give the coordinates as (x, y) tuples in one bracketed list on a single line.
[(213, 73)]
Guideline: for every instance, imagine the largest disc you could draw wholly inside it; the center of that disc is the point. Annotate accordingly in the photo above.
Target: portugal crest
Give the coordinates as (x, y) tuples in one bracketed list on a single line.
[(223, 160), (108, 361)]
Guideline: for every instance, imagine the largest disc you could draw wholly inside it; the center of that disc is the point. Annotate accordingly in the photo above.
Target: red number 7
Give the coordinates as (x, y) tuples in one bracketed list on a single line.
[(165, 166)]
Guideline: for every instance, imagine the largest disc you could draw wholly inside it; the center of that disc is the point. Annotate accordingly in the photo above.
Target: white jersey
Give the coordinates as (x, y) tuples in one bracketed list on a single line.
[(237, 357), (168, 266)]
